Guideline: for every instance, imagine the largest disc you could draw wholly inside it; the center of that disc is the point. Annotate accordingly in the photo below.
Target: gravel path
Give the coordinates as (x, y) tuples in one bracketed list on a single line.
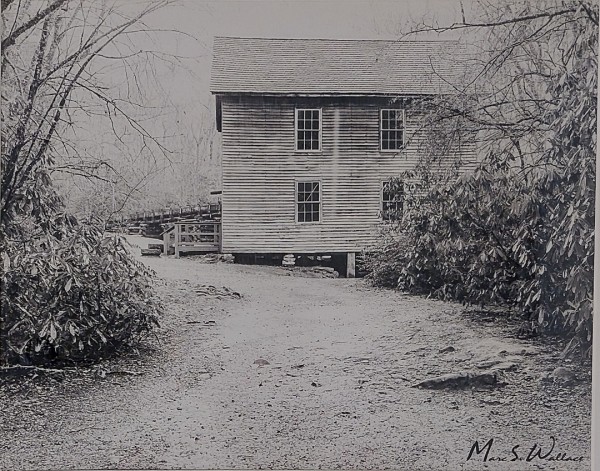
[(298, 372)]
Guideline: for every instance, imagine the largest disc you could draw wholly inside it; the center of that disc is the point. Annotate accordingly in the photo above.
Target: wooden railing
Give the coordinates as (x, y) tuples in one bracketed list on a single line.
[(193, 237), (205, 212)]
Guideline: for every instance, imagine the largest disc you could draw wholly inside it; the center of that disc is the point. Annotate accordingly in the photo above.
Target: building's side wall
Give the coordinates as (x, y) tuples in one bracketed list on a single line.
[(260, 168)]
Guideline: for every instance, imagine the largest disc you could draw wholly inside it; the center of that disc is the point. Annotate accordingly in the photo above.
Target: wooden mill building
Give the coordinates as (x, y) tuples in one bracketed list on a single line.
[(311, 131)]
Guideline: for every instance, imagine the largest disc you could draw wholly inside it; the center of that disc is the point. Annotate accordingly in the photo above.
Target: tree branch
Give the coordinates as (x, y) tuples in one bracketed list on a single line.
[(41, 15)]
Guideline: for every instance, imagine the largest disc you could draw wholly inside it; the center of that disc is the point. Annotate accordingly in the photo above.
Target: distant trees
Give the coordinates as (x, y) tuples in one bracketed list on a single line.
[(518, 231)]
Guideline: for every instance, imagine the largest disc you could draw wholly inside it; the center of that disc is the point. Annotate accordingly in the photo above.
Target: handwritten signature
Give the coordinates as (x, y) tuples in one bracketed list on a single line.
[(536, 452)]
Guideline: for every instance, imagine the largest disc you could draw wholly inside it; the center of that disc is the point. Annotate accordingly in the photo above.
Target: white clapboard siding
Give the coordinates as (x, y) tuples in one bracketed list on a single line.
[(260, 169)]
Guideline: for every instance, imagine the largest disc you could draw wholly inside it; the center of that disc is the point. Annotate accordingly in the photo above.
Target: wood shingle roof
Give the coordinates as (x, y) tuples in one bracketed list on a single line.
[(333, 67)]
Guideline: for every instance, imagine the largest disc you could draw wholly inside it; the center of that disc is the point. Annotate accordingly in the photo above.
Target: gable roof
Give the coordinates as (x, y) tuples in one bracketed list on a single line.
[(333, 67)]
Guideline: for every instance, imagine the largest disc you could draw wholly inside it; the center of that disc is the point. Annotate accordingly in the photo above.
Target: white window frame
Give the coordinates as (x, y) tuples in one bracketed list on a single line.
[(381, 149), (296, 202), (320, 131)]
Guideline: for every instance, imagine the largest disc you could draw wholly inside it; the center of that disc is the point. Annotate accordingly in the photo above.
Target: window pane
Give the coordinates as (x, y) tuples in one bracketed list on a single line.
[(386, 191), (300, 213), (392, 119), (399, 121)]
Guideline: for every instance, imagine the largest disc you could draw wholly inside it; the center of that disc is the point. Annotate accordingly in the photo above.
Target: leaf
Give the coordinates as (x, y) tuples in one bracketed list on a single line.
[(68, 285), (52, 332)]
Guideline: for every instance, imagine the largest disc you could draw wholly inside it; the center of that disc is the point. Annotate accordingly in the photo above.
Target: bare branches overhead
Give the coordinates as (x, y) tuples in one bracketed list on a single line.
[(41, 15), (52, 64)]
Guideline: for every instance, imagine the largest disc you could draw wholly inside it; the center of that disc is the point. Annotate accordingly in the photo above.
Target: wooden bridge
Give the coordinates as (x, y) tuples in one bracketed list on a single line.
[(171, 215), (185, 229)]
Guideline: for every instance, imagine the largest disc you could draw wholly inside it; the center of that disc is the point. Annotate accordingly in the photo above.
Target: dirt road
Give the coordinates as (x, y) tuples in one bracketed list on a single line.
[(331, 387)]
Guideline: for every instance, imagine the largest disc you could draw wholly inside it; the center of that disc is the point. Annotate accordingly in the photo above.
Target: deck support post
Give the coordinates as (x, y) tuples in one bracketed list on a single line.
[(176, 240), (167, 241), (351, 265)]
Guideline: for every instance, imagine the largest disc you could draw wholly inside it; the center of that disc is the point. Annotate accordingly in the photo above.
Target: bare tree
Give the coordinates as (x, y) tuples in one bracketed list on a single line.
[(56, 57), (515, 50)]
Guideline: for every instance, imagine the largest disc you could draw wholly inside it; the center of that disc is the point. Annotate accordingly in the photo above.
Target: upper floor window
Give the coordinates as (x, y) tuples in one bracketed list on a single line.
[(308, 129), (392, 129)]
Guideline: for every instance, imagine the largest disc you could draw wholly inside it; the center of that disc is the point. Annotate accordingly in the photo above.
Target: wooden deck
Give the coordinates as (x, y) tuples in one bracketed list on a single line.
[(193, 237)]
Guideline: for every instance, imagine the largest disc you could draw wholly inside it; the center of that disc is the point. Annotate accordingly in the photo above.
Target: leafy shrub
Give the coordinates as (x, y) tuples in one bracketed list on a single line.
[(72, 295), (491, 238), (519, 231), (384, 263)]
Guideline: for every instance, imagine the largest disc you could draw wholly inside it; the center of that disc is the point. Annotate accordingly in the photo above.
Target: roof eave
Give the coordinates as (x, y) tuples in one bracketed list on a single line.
[(329, 94)]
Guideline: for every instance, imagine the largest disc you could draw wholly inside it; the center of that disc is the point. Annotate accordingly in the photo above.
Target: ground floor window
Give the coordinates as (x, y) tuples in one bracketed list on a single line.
[(308, 201), (392, 199)]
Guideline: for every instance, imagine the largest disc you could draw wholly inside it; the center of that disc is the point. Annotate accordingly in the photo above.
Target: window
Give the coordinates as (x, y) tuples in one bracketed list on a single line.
[(308, 130), (308, 201), (392, 129), (392, 200)]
